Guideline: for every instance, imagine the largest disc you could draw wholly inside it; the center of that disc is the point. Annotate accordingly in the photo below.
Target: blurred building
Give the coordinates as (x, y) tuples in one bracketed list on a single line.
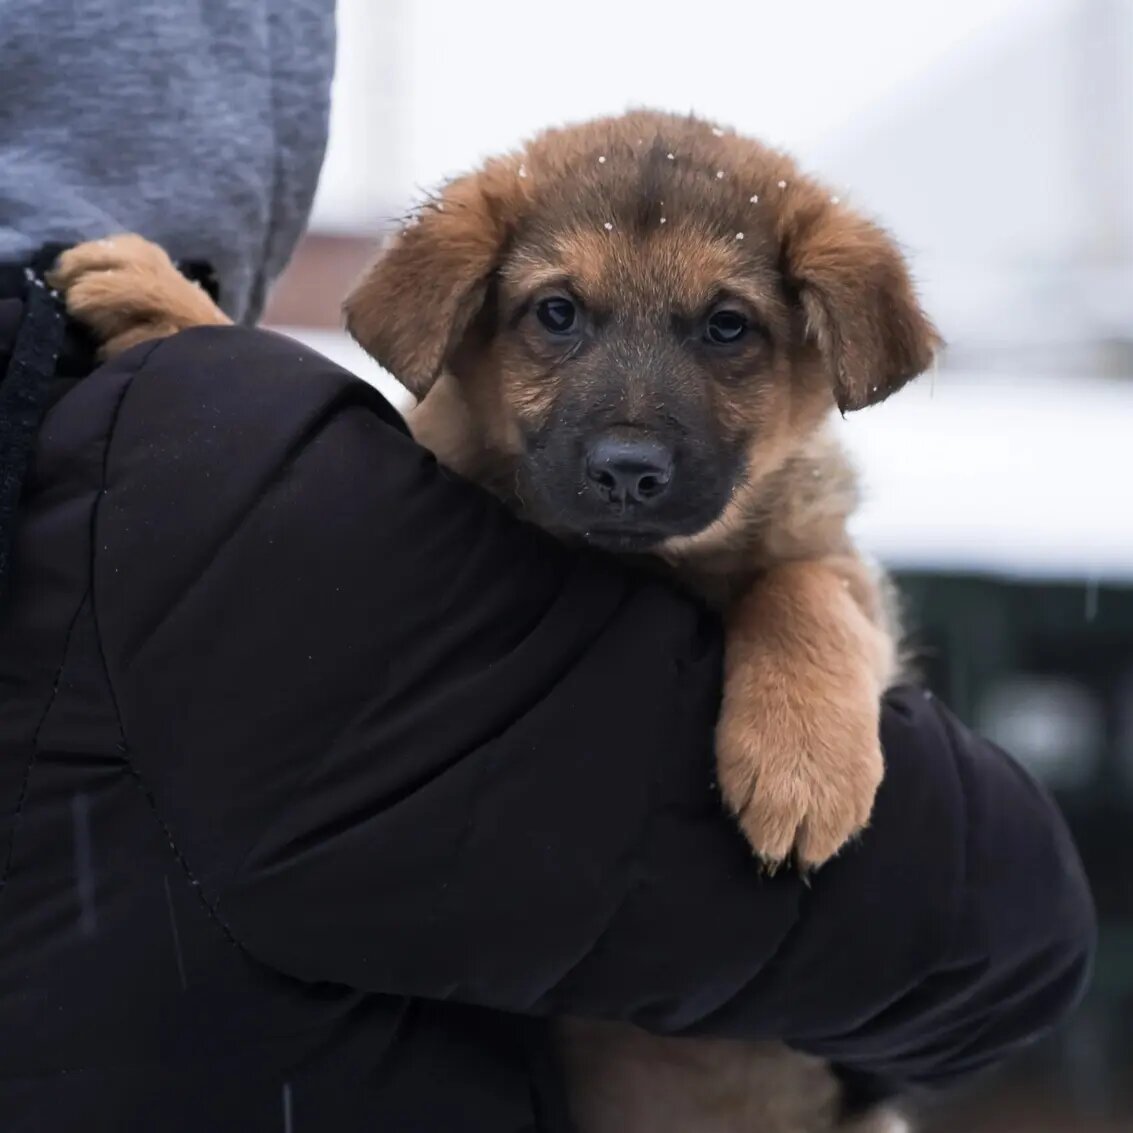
[(995, 138)]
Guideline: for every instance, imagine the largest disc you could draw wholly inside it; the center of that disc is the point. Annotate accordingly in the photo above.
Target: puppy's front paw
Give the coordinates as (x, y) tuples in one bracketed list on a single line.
[(126, 290), (799, 760)]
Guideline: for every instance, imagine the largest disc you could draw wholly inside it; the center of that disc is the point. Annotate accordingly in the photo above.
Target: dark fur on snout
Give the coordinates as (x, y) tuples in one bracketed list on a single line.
[(634, 332)]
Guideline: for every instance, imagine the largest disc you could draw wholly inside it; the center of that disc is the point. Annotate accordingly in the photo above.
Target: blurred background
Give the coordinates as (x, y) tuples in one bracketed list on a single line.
[(995, 138)]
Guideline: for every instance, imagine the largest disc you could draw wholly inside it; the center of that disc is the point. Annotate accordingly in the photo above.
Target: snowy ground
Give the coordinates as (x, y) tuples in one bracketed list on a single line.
[(1029, 476)]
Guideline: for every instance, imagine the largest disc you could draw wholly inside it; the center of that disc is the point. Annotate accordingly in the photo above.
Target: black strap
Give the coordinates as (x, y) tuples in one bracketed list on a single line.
[(23, 402)]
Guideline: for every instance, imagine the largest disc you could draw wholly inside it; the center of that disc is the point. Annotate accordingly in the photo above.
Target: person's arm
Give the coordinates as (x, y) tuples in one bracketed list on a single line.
[(406, 743)]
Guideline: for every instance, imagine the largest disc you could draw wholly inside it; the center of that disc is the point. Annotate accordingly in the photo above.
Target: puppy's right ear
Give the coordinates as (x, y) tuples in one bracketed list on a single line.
[(412, 307)]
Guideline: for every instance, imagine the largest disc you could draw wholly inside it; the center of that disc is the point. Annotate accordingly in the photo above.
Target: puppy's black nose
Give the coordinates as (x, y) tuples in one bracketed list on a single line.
[(629, 469)]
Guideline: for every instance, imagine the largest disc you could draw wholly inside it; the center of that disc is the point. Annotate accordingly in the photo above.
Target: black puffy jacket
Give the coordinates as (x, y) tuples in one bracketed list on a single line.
[(324, 782)]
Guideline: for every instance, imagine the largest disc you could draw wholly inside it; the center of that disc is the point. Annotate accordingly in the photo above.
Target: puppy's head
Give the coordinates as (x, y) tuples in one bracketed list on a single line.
[(645, 316)]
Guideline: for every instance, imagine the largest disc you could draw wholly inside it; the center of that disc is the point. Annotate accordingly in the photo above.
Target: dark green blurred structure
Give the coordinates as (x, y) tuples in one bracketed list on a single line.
[(1046, 669)]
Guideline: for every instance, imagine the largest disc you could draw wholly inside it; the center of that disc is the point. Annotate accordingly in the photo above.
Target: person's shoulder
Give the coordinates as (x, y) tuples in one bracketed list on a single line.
[(217, 412), (236, 378), (220, 432)]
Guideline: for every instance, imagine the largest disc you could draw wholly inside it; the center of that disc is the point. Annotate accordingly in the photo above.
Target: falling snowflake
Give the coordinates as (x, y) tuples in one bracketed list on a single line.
[(662, 220), (287, 1117), (670, 156), (602, 160), (608, 226), (719, 175), (782, 184), (1091, 599), (717, 131), (523, 171), (739, 235), (754, 198)]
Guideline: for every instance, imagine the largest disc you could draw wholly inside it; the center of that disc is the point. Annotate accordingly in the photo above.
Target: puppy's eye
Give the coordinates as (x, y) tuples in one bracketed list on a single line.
[(725, 327), (558, 315)]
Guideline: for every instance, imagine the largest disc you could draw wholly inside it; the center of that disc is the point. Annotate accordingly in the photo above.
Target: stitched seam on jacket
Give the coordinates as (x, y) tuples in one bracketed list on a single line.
[(30, 766), (88, 592), (310, 429), (147, 794)]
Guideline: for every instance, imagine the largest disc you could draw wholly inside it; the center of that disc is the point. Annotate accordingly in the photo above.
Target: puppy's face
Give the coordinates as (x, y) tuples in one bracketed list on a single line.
[(645, 317), (637, 370)]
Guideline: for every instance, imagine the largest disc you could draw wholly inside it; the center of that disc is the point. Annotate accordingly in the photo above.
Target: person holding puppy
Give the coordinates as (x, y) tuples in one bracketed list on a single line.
[(325, 783)]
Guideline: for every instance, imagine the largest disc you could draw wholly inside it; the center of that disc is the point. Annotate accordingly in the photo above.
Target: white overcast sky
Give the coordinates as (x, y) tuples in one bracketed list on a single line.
[(426, 89)]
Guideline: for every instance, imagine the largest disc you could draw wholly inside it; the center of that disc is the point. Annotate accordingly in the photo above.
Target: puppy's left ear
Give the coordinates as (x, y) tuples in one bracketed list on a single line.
[(860, 305), (411, 308)]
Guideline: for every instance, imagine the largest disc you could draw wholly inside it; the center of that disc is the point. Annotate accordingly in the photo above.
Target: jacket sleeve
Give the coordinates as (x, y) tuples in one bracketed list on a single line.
[(406, 743)]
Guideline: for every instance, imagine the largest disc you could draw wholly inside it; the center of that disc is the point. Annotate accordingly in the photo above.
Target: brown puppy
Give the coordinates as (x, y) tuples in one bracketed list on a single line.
[(634, 332)]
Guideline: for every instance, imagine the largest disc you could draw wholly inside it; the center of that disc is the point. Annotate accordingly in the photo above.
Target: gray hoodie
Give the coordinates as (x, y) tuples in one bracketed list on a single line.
[(198, 123)]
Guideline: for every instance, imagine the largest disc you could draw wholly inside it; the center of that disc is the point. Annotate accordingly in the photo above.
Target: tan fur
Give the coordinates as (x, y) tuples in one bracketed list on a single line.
[(622, 1080), (811, 636)]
